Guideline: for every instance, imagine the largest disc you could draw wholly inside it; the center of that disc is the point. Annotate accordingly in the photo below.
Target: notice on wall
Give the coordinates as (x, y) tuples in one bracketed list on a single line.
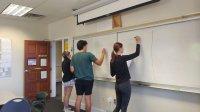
[(43, 62), (43, 74), (5, 57)]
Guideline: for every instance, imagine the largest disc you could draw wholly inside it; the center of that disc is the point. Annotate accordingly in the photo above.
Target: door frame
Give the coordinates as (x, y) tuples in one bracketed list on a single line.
[(53, 63)]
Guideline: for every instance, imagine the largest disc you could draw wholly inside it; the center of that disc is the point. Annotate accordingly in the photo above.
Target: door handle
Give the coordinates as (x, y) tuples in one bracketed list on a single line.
[(38, 68), (35, 69), (26, 71)]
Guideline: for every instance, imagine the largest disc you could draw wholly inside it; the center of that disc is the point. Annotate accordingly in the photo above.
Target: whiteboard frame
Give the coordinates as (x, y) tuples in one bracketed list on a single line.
[(157, 86)]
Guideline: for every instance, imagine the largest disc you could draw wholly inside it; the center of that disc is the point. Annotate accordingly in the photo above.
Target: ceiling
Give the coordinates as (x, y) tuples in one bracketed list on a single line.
[(53, 10)]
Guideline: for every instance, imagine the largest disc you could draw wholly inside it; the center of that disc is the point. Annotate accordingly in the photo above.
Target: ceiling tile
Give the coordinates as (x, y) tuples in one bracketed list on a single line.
[(52, 9)]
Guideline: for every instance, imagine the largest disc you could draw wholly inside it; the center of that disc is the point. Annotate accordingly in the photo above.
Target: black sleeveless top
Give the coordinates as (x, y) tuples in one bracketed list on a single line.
[(119, 67), (68, 75)]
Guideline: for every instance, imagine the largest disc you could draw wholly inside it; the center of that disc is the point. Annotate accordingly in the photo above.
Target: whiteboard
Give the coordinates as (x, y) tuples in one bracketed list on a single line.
[(140, 68), (170, 54), (95, 46), (176, 54)]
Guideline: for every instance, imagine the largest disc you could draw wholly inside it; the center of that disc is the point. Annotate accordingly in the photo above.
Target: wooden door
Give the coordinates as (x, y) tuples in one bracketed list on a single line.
[(37, 68)]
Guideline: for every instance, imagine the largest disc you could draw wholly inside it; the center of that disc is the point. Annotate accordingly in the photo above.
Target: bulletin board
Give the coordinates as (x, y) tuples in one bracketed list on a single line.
[(5, 57)]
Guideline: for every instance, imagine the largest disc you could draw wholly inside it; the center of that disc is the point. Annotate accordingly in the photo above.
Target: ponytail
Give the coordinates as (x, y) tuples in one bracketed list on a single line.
[(116, 48), (113, 56), (65, 54)]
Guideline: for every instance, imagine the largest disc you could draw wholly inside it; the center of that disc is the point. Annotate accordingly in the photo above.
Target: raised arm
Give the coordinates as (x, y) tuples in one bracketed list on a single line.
[(137, 52), (99, 61)]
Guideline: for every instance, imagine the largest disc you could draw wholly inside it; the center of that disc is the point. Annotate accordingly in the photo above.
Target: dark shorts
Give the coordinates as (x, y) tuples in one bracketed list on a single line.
[(84, 87)]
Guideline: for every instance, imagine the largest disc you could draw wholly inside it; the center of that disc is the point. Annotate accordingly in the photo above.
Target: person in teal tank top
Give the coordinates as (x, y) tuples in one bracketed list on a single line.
[(82, 62), (81, 65)]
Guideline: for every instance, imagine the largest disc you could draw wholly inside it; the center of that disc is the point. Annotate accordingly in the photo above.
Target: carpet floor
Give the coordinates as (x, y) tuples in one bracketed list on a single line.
[(55, 104)]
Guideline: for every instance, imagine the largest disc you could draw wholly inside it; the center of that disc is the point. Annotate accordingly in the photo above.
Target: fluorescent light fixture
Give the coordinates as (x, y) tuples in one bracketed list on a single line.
[(16, 10)]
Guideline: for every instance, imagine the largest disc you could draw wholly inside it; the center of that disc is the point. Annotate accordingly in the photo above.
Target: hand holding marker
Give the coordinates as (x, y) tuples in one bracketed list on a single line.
[(104, 51), (138, 39)]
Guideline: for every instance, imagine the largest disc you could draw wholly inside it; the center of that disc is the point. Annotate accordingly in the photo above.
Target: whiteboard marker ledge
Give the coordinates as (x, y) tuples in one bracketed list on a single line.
[(157, 86)]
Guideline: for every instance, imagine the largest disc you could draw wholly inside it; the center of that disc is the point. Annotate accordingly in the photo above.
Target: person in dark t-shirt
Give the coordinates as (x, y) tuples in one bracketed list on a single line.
[(68, 79), (119, 68)]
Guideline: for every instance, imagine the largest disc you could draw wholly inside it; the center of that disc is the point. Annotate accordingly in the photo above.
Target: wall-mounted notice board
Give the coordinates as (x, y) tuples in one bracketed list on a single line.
[(5, 57)]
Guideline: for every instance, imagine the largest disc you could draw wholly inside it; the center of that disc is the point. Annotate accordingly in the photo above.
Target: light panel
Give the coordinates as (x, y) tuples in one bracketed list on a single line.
[(16, 10)]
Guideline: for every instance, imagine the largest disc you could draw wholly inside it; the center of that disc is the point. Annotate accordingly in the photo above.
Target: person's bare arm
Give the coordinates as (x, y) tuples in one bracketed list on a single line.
[(101, 58), (72, 69)]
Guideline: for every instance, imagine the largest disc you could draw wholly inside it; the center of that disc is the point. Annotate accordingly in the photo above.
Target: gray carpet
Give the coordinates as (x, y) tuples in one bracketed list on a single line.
[(59, 91), (55, 104)]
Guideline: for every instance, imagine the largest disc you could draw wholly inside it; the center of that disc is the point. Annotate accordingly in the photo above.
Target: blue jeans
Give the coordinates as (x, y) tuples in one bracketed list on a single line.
[(123, 94)]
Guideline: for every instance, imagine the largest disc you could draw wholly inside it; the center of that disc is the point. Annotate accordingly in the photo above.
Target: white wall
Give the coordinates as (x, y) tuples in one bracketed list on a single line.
[(149, 99), (143, 99), (164, 9), (18, 32)]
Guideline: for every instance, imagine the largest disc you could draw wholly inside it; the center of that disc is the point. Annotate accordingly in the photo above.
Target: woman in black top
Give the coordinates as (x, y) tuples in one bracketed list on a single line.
[(119, 69), (68, 78)]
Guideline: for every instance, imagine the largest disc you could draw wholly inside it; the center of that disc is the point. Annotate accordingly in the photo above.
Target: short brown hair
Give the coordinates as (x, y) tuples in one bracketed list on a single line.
[(81, 44)]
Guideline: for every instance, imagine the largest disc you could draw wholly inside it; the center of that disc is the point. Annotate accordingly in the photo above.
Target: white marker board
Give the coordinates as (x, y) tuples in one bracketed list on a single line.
[(170, 54), (176, 54), (140, 68), (95, 46)]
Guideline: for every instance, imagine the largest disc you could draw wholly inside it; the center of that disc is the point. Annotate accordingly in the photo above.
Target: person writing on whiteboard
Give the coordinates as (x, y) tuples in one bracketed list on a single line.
[(81, 65), (119, 68), (68, 79)]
